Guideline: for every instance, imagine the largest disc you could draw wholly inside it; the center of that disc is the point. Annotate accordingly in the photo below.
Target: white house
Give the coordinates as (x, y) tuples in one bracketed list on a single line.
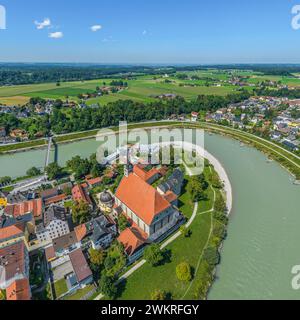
[(55, 224)]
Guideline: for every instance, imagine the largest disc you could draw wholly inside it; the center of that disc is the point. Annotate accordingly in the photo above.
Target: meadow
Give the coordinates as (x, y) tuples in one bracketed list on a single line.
[(141, 89)]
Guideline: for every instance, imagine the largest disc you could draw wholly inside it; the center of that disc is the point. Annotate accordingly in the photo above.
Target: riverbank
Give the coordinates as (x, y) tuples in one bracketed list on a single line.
[(287, 159)]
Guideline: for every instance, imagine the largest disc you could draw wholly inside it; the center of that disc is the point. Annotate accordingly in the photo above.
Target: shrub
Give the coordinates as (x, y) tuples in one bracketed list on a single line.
[(184, 272)]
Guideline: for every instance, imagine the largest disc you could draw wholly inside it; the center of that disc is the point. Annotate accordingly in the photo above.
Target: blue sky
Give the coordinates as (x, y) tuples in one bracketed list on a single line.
[(150, 31)]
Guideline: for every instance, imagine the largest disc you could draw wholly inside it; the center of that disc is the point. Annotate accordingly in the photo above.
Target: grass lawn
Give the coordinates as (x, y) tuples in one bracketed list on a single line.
[(21, 145), (60, 287), (80, 293), (147, 279)]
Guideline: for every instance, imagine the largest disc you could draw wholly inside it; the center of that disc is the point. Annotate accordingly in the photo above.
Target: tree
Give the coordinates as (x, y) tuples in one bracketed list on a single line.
[(158, 295), (5, 180), (211, 256), (80, 212), (220, 204), (123, 223), (96, 170), (184, 272), (107, 286), (196, 188), (215, 181), (32, 172), (80, 167), (53, 171), (96, 257), (153, 255)]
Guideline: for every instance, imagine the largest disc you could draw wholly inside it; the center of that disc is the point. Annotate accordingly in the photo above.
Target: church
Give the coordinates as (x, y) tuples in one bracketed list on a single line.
[(151, 212)]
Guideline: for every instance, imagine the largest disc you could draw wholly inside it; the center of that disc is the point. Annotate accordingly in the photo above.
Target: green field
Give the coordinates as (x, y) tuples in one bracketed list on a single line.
[(143, 89)]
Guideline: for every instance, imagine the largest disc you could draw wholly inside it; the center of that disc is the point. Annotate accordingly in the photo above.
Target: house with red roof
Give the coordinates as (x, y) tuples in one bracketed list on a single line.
[(14, 271), (80, 193), (34, 206), (150, 211), (19, 290), (194, 116)]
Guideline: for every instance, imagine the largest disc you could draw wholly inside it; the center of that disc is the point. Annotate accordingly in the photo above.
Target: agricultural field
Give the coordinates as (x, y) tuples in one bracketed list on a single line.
[(143, 89)]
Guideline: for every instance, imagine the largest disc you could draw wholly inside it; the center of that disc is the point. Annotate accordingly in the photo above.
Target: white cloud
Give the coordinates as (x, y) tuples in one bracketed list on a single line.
[(56, 35), (44, 24), (96, 28)]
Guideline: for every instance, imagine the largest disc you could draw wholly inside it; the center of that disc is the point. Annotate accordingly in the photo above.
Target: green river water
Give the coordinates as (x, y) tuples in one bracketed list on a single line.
[(263, 235)]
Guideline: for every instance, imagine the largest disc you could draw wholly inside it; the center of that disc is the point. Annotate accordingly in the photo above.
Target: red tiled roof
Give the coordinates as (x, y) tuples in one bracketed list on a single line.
[(94, 181), (143, 174), (50, 253), (80, 265), (79, 194), (141, 198), (132, 239), (55, 199), (170, 196), (80, 231), (34, 206), (49, 193), (11, 231), (12, 259), (19, 290)]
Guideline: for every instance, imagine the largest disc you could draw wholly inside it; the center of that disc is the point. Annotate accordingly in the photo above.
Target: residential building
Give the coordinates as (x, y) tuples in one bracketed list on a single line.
[(81, 268), (19, 290), (58, 200), (194, 116), (55, 224), (14, 266), (49, 193), (103, 231), (13, 230), (79, 193), (34, 206), (65, 244)]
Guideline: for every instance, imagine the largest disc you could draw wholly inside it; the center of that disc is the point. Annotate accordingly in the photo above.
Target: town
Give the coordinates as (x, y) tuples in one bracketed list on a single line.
[(53, 238)]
